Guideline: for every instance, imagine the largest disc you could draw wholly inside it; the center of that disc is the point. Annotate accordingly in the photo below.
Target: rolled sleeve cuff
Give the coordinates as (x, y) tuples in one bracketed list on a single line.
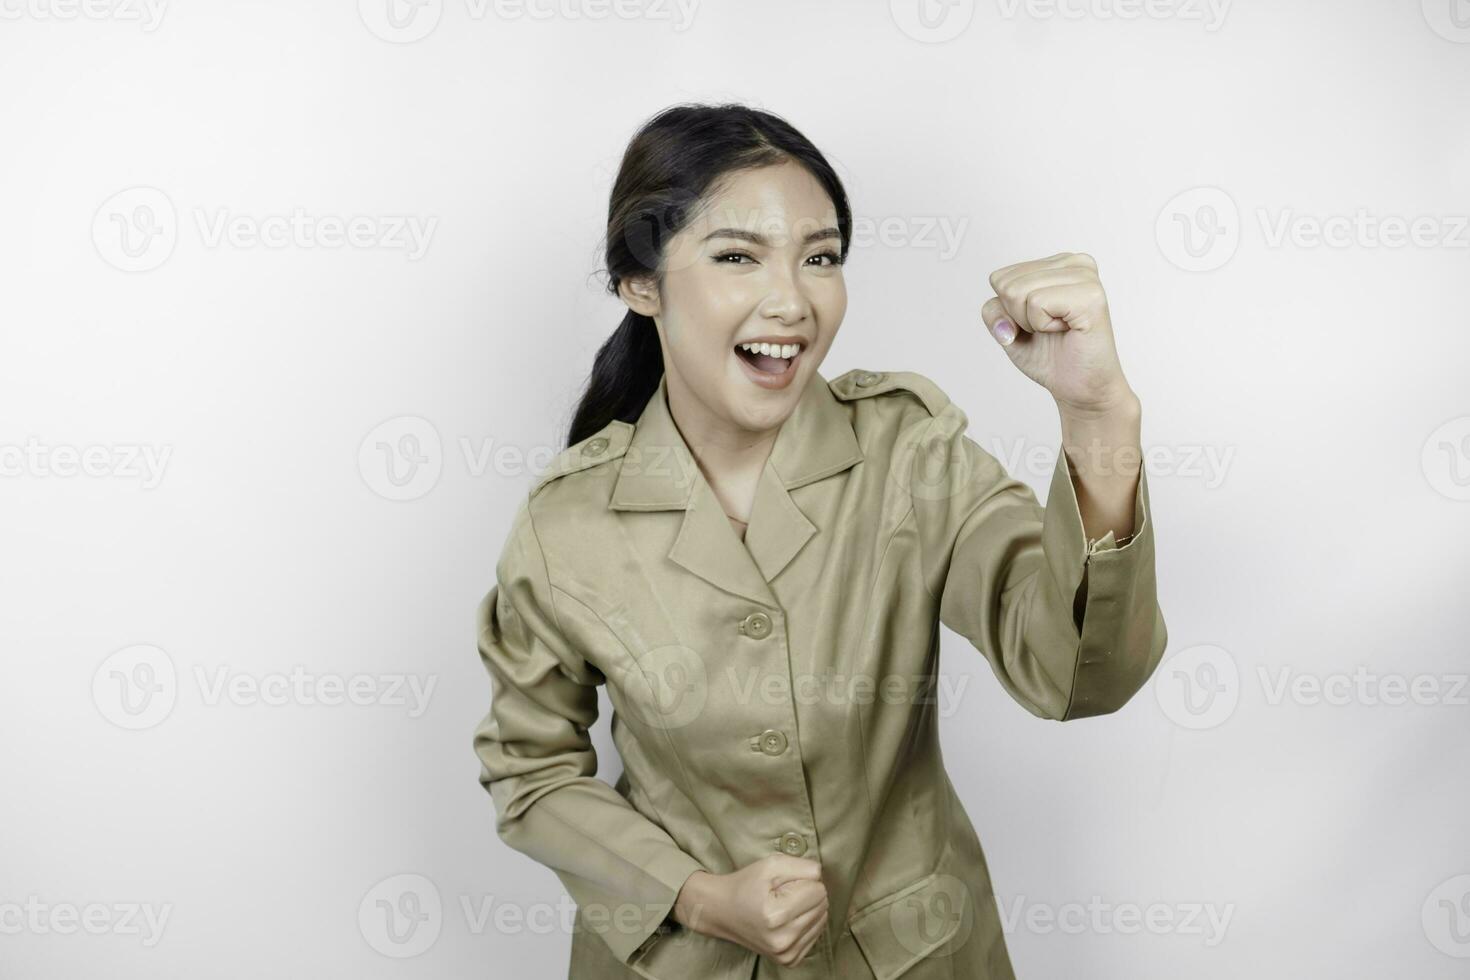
[(671, 951), (1065, 539), (655, 921), (1120, 622)]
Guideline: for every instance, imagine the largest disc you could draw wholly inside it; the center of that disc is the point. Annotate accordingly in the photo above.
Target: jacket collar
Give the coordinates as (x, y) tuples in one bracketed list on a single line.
[(659, 472)]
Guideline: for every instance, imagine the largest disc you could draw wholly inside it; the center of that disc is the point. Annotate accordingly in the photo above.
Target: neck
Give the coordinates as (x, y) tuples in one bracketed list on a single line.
[(723, 450)]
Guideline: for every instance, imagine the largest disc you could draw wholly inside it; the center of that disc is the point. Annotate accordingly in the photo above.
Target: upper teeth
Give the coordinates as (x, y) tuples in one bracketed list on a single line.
[(773, 350)]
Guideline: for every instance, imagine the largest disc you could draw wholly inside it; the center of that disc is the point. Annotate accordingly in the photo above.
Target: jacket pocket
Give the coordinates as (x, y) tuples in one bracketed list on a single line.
[(685, 955), (928, 917)]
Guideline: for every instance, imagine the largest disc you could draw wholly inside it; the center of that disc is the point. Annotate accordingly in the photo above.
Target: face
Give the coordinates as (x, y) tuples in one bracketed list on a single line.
[(757, 264)]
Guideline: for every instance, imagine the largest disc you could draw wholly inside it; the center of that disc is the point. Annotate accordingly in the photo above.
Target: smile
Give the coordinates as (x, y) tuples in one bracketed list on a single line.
[(770, 365)]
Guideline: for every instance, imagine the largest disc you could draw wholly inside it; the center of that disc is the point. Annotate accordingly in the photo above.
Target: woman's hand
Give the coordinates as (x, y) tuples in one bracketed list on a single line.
[(776, 906), (1051, 317), (1061, 334)]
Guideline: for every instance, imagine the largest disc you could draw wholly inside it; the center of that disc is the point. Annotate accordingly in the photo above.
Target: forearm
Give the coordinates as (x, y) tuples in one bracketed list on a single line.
[(697, 906), (1105, 453)]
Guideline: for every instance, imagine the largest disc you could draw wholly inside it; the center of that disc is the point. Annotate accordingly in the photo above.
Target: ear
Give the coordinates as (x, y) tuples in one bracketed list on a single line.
[(641, 295)]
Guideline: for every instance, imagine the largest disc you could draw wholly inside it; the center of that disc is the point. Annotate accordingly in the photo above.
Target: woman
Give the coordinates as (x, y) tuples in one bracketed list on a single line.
[(756, 561)]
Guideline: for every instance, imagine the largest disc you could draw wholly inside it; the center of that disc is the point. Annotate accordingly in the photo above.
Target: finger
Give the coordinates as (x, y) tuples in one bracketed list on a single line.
[(809, 939), (1077, 260), (1017, 295), (1070, 306), (784, 868), (799, 896), (801, 923), (799, 929)]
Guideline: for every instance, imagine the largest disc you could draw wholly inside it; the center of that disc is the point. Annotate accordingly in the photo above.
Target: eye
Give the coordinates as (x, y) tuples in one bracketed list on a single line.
[(732, 254), (834, 258)]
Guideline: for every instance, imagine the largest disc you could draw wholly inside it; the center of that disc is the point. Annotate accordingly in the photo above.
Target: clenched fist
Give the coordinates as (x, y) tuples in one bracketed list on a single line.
[(776, 906), (1051, 317)]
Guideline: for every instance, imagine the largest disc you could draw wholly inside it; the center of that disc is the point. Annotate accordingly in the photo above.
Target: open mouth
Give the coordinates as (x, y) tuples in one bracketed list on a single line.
[(772, 359)]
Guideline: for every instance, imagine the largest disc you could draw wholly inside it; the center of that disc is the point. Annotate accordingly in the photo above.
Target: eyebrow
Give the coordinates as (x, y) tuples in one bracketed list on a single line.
[(759, 239)]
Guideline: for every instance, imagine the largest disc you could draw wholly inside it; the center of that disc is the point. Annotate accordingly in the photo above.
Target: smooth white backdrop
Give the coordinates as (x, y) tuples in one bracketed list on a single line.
[(298, 297)]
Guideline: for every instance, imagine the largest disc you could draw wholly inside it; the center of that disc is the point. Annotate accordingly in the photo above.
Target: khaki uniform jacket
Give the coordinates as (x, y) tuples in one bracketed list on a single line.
[(777, 694)]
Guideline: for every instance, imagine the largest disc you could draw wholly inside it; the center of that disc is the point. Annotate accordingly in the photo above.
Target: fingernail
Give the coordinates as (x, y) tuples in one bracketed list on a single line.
[(1005, 331)]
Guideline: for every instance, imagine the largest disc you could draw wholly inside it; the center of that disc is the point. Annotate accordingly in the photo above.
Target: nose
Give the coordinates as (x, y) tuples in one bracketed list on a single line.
[(785, 301)]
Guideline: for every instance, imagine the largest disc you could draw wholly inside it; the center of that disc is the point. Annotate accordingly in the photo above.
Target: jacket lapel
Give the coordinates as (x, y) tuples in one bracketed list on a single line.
[(660, 473)]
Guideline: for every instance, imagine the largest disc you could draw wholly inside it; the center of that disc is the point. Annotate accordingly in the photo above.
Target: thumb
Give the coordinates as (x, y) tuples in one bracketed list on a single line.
[(999, 322)]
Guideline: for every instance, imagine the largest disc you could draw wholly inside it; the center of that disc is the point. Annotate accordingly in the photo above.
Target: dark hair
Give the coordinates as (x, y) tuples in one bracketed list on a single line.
[(669, 165)]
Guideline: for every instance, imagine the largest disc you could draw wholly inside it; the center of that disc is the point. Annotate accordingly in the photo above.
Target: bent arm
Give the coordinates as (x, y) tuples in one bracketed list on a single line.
[(539, 765), (1071, 627)]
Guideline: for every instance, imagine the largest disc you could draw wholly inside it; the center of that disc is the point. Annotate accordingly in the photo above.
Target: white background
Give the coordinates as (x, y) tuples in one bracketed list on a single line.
[(1305, 402)]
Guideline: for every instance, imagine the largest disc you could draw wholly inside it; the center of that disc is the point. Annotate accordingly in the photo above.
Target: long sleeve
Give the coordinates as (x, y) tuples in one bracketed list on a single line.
[(539, 765), (1071, 628)]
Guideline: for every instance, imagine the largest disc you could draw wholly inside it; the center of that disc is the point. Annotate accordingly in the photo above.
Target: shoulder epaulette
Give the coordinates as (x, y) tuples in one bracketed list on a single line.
[(859, 383), (605, 445)]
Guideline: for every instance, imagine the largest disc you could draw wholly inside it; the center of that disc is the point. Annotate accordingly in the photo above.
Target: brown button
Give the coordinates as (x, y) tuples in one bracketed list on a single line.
[(869, 378), (757, 626), (773, 742), (595, 447), (793, 843)]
